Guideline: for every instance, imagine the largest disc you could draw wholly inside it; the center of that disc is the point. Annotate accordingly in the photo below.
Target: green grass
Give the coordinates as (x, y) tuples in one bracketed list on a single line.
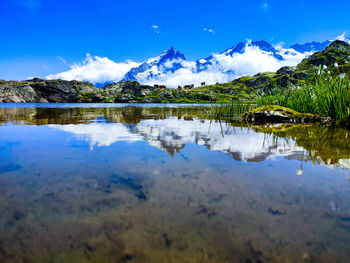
[(228, 111), (326, 95)]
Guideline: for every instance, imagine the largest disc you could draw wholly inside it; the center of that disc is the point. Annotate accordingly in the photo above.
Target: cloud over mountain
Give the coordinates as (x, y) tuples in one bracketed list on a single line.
[(96, 70), (172, 69)]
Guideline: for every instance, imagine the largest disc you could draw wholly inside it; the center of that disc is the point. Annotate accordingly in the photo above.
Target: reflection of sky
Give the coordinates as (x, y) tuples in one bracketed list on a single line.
[(174, 133)]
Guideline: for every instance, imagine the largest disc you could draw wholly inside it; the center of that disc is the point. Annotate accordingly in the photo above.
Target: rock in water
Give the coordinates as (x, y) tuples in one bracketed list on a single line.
[(279, 114)]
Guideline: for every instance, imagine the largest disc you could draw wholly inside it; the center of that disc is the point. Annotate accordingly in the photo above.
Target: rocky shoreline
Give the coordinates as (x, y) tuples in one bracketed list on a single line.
[(62, 91)]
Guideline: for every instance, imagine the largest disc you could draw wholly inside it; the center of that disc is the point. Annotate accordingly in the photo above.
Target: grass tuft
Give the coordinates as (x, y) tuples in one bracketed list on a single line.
[(326, 95)]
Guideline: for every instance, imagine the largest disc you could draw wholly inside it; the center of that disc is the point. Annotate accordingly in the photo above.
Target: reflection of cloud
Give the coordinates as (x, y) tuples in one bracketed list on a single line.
[(248, 144), (345, 163), (171, 135), (242, 144), (100, 134)]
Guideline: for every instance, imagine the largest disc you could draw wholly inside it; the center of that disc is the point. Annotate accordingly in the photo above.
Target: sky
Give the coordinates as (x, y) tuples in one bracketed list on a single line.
[(42, 37)]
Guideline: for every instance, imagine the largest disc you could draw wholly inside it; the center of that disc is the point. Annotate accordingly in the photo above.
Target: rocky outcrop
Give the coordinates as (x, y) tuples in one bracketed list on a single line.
[(285, 71), (336, 57), (39, 90), (278, 114)]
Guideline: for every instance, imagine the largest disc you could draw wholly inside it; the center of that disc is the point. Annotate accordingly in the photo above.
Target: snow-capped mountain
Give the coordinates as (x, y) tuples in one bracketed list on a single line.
[(240, 48), (169, 61), (172, 69)]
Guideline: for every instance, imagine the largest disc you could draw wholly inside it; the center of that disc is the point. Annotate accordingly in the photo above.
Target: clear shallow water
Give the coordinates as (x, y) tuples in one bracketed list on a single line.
[(135, 183)]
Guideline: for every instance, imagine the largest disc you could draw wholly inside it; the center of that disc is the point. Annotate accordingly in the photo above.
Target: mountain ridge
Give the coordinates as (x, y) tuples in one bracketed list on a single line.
[(165, 66), (167, 55), (336, 58)]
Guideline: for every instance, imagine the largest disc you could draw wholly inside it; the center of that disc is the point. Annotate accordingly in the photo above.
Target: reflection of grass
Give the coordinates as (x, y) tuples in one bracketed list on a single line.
[(327, 96), (329, 144), (228, 111)]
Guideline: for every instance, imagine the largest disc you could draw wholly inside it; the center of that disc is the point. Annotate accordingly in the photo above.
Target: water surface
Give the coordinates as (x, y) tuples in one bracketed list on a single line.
[(161, 183)]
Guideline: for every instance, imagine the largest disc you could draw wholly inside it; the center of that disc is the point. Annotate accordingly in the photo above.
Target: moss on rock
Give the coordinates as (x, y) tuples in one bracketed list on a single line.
[(278, 114)]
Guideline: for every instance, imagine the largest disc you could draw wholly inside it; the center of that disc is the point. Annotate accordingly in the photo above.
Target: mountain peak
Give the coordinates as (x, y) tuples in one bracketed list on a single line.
[(157, 65), (171, 53), (261, 44)]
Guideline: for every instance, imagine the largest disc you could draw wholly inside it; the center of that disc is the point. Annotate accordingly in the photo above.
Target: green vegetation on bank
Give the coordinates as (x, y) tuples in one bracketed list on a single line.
[(325, 95)]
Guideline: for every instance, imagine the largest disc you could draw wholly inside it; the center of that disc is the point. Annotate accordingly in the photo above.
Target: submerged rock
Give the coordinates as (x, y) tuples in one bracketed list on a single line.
[(279, 114)]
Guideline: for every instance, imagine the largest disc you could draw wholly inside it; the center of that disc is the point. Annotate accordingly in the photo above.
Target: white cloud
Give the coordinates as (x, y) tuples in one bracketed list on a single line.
[(264, 5), (96, 70), (63, 60), (209, 30), (224, 68), (342, 36), (156, 29)]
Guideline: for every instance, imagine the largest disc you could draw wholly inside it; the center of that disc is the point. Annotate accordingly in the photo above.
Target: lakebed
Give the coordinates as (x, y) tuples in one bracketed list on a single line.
[(162, 183)]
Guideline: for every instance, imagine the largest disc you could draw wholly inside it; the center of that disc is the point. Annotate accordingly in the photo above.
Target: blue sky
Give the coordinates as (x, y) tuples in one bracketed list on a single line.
[(40, 37)]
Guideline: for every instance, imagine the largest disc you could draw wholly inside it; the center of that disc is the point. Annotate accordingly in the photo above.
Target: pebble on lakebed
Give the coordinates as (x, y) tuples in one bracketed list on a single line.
[(279, 114)]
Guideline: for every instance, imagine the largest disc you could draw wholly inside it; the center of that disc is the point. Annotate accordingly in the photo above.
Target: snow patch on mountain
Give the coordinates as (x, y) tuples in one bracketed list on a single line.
[(172, 69), (241, 60)]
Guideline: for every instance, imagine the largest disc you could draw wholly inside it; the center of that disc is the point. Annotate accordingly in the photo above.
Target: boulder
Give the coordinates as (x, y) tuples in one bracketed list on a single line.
[(301, 75), (166, 94), (125, 98), (286, 82), (151, 100), (278, 114), (285, 71), (258, 81)]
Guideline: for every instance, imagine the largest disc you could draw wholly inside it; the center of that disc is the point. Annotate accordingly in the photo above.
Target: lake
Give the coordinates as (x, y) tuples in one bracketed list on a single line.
[(163, 183)]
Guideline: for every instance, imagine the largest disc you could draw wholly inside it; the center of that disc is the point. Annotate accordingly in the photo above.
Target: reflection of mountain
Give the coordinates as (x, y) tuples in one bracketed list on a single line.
[(171, 135), (72, 114), (160, 127), (242, 143)]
